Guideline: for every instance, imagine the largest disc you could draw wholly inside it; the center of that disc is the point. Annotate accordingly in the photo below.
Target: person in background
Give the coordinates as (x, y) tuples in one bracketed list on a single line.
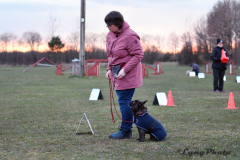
[(195, 68), (124, 53), (218, 66)]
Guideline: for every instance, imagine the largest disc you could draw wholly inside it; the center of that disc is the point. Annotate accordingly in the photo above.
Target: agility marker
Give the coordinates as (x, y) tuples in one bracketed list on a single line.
[(231, 103), (93, 66), (170, 99), (238, 79), (96, 94), (224, 78), (59, 70), (87, 121), (39, 62), (201, 75), (160, 99), (231, 68), (192, 74), (208, 67)]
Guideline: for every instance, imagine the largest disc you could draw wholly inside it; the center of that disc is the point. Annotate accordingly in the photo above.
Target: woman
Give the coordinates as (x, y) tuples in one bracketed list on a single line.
[(218, 66), (124, 51)]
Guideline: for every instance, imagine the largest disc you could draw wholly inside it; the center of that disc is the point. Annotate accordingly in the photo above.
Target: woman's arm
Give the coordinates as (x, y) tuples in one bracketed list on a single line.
[(135, 49)]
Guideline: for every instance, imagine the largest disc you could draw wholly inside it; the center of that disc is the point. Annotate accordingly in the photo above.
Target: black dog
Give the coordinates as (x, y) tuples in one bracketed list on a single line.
[(146, 123)]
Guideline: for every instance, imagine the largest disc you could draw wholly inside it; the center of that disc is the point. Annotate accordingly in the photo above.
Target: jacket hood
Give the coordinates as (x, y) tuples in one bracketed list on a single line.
[(124, 27)]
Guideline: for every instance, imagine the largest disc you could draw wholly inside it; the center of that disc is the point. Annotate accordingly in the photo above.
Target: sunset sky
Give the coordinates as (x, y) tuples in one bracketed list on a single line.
[(155, 17)]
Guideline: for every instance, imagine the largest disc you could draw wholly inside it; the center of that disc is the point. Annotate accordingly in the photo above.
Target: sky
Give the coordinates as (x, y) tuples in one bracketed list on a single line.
[(154, 17)]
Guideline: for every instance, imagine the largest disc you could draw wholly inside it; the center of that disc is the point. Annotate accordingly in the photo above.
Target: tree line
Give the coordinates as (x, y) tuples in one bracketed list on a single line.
[(16, 58), (28, 58)]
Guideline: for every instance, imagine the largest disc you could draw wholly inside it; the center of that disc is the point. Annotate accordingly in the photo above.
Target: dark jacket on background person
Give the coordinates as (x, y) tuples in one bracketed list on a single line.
[(216, 57), (195, 67)]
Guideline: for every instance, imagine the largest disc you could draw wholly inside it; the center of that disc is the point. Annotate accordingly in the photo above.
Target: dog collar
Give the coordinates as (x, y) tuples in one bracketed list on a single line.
[(141, 114)]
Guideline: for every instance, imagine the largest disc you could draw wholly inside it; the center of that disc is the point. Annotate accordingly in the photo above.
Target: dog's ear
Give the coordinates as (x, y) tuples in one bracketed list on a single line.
[(142, 103)]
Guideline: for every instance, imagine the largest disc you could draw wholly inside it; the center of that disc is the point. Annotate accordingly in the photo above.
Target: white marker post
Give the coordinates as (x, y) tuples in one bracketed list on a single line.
[(201, 75), (160, 99), (230, 68), (238, 79), (96, 94), (192, 74), (87, 121)]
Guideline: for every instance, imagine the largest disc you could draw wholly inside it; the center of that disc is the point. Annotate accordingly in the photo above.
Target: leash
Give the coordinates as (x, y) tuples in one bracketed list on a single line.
[(112, 101)]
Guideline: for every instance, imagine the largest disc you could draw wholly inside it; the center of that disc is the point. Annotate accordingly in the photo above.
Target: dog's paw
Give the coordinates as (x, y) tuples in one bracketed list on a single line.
[(139, 140)]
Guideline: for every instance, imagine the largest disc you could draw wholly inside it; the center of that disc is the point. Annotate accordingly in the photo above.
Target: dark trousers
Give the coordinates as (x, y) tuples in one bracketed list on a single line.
[(124, 98), (196, 72), (218, 79)]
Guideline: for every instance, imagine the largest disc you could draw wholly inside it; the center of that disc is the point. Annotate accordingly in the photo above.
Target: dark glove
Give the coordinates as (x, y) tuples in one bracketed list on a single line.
[(218, 60)]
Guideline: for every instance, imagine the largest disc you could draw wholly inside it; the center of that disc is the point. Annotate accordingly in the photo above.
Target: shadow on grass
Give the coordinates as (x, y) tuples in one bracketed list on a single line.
[(83, 133)]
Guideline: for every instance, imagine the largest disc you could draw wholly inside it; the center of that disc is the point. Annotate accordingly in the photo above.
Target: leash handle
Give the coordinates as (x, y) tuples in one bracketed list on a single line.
[(112, 100)]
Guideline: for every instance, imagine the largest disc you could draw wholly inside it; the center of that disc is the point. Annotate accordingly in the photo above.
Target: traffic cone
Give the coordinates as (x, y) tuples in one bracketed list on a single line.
[(231, 103), (224, 58), (170, 99)]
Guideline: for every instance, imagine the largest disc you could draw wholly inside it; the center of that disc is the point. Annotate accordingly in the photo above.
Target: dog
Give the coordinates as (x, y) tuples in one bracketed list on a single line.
[(146, 123), (187, 72)]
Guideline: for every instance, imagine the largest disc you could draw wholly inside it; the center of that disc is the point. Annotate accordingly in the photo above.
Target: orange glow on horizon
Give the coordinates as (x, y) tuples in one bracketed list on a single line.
[(45, 48)]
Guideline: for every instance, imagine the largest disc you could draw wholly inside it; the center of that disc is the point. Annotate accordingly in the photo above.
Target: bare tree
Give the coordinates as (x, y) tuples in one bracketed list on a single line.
[(236, 30), (52, 25), (91, 41), (186, 54), (173, 40), (102, 40), (20, 44), (74, 37), (147, 41), (152, 46), (201, 34), (13, 42), (186, 38), (33, 39), (220, 23), (8, 40), (159, 40), (236, 20), (203, 40)]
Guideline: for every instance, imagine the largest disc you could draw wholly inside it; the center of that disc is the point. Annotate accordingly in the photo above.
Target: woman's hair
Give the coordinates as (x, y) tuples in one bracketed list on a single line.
[(114, 18)]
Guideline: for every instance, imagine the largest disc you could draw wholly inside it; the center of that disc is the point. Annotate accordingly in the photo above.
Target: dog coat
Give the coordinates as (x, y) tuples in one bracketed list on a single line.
[(149, 124)]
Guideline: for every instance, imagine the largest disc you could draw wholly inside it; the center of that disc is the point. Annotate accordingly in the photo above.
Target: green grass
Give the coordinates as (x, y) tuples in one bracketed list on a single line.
[(40, 112)]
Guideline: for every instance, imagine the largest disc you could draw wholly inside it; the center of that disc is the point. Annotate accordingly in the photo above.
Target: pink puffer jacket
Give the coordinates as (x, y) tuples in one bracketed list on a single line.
[(125, 48)]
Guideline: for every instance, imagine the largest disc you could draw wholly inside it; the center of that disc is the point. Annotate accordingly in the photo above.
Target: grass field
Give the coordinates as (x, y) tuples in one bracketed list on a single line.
[(40, 112)]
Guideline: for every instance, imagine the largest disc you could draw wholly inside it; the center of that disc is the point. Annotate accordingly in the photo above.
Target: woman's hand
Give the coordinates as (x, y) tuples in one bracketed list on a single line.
[(121, 74), (108, 74)]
